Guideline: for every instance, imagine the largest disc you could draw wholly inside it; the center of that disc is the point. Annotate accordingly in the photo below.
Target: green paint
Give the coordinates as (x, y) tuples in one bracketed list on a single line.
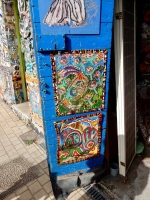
[(21, 56), (71, 150), (80, 81)]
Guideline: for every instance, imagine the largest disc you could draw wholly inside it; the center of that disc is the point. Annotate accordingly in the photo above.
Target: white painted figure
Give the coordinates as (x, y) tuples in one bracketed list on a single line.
[(63, 12), (21, 5)]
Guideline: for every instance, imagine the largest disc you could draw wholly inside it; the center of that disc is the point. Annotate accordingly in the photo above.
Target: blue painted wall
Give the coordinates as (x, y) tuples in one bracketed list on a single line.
[(90, 26), (46, 41)]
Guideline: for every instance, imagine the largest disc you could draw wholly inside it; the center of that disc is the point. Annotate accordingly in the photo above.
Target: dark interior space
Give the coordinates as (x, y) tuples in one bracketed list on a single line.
[(111, 152), (143, 72), (142, 87)]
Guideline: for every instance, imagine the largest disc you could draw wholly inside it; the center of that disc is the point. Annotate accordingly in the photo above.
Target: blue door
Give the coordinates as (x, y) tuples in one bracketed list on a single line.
[(73, 49)]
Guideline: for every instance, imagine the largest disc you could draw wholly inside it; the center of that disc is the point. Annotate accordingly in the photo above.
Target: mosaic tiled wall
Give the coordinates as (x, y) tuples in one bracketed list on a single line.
[(9, 60), (6, 85), (30, 64)]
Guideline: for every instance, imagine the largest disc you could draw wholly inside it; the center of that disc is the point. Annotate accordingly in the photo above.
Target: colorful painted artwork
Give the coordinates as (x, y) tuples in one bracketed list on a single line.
[(78, 138), (64, 12), (6, 85), (70, 17), (79, 81), (35, 99), (31, 75)]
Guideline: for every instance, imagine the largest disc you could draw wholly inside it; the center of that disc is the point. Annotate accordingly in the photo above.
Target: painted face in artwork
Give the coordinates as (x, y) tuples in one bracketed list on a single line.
[(65, 12)]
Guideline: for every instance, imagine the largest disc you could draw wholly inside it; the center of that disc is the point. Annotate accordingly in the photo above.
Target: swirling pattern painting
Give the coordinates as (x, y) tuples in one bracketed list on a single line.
[(79, 81), (62, 12), (78, 138)]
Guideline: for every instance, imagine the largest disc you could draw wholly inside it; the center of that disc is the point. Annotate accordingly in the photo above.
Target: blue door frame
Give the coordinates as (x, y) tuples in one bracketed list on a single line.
[(47, 42)]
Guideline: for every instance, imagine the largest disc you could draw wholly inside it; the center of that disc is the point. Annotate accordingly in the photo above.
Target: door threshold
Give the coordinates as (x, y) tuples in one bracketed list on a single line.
[(22, 110)]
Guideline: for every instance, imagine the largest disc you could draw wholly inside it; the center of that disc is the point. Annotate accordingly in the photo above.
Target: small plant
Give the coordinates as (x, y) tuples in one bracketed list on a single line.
[(29, 142)]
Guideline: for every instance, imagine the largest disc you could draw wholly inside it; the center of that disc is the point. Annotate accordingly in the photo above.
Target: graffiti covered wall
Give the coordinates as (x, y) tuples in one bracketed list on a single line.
[(11, 85), (31, 75)]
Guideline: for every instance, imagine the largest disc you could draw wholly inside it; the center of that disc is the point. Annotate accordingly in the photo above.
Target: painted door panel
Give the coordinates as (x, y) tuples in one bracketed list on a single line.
[(130, 80), (125, 83), (48, 41), (80, 17)]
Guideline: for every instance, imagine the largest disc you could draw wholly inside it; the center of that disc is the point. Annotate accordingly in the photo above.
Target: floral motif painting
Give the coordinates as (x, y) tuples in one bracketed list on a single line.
[(78, 138), (79, 81)]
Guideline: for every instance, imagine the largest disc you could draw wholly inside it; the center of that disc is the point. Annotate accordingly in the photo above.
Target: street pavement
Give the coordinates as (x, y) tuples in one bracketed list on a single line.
[(12, 147)]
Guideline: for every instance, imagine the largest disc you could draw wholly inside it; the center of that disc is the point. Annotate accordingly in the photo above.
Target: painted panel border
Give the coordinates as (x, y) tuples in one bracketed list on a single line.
[(79, 138), (79, 81)]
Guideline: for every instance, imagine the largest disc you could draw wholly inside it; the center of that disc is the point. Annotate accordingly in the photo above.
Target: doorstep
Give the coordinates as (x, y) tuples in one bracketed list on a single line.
[(22, 110)]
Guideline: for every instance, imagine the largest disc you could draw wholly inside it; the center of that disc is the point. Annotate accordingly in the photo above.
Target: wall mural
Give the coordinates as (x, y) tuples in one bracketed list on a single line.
[(5, 60), (9, 55), (64, 12), (35, 107), (70, 17), (79, 81), (78, 138), (6, 86), (31, 75)]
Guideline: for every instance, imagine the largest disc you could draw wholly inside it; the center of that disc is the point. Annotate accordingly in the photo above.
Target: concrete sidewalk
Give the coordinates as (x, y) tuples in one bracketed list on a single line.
[(12, 147)]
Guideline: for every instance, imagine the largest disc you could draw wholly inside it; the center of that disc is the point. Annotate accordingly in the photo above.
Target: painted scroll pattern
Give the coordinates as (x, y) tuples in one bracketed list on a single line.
[(78, 138), (79, 81)]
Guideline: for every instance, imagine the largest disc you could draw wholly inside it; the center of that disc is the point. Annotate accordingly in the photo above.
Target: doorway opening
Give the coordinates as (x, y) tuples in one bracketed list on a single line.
[(143, 72), (29, 108), (132, 79)]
